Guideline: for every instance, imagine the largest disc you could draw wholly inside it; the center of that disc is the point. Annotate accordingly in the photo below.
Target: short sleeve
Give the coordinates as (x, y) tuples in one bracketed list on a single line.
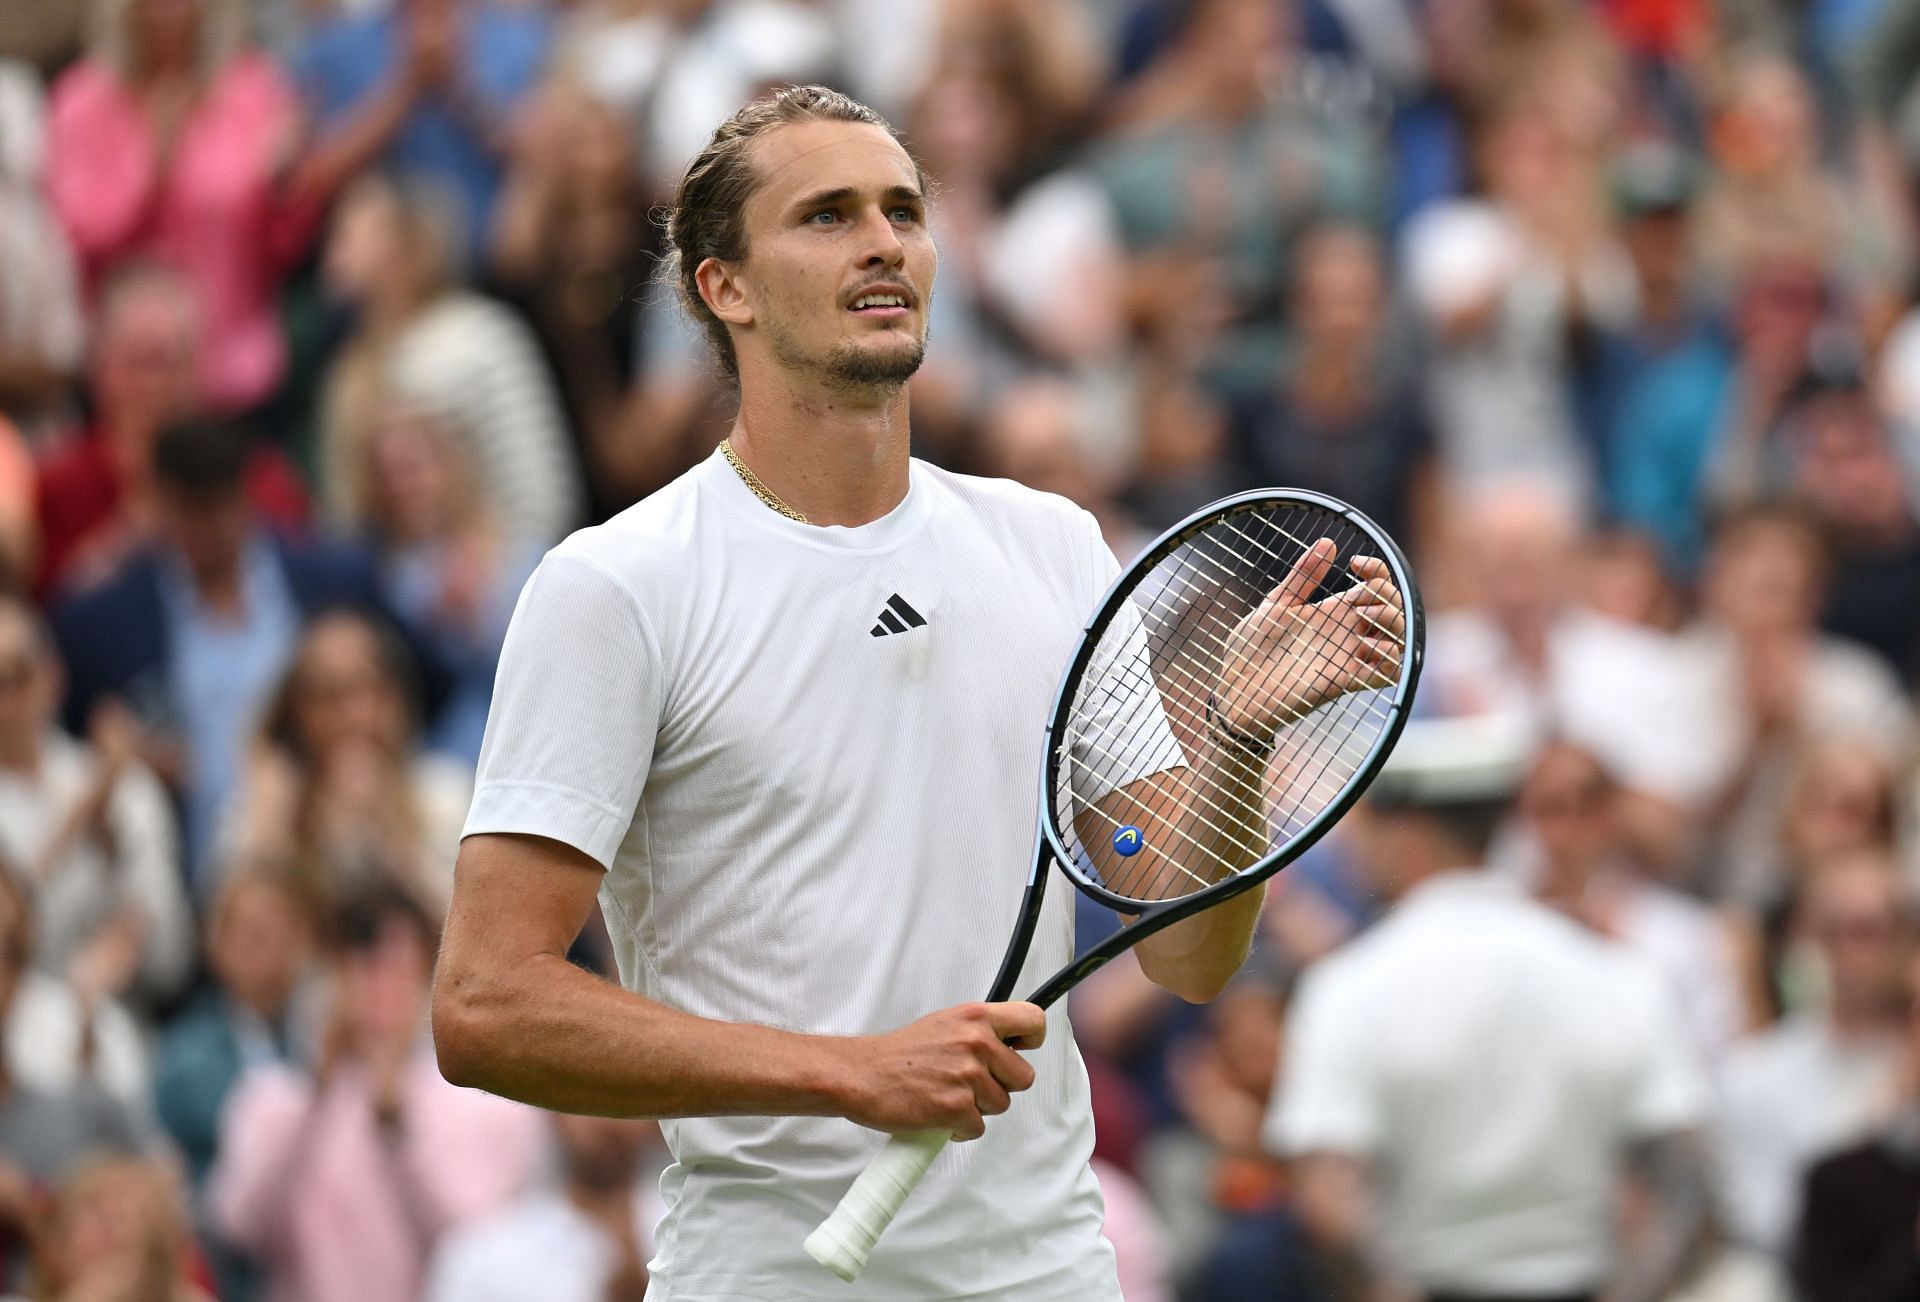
[(1324, 1101), (576, 705), (1120, 734)]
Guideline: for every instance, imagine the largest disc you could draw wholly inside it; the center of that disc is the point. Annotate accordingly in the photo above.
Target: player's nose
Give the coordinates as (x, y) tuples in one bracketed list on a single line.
[(880, 244)]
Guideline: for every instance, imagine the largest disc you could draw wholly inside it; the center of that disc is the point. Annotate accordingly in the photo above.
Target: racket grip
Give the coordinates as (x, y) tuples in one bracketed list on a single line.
[(845, 1239)]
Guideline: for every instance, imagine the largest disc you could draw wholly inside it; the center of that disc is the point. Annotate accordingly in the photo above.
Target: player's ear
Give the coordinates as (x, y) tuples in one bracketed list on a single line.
[(725, 295)]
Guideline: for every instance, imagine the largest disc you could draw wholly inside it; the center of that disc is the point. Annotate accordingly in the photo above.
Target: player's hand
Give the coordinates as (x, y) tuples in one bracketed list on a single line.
[(1291, 655), (950, 1070)]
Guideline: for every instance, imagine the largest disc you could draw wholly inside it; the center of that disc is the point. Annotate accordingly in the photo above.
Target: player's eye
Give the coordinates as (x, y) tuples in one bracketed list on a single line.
[(905, 214), (825, 217)]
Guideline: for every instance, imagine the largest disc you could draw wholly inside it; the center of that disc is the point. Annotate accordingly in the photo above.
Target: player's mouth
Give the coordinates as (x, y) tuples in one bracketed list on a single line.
[(882, 302)]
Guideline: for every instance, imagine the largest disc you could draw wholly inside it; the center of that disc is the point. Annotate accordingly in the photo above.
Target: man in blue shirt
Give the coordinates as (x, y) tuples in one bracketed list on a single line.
[(426, 88)]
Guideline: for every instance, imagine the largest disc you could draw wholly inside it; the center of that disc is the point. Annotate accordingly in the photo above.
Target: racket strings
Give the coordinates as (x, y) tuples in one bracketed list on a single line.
[(1153, 676)]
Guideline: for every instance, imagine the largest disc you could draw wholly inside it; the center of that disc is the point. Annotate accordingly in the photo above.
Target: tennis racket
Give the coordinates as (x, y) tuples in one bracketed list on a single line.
[(1238, 688)]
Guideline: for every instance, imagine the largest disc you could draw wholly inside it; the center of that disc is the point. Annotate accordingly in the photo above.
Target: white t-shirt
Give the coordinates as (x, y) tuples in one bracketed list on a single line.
[(1789, 1097), (541, 1247), (1492, 1058), (813, 822)]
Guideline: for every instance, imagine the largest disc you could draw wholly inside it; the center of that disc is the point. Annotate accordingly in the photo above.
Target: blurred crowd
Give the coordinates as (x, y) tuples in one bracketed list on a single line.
[(321, 319)]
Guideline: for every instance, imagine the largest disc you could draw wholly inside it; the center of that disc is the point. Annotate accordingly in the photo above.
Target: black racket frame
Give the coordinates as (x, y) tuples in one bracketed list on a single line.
[(1048, 846)]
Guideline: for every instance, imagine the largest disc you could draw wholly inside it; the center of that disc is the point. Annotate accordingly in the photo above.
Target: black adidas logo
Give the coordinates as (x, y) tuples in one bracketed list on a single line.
[(897, 617)]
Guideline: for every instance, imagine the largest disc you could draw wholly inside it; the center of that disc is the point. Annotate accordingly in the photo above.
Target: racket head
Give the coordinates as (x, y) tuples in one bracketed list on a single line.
[(1177, 605)]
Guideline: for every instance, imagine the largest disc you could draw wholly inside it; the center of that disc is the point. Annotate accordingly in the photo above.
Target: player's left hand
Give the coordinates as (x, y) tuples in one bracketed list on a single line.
[(1291, 654)]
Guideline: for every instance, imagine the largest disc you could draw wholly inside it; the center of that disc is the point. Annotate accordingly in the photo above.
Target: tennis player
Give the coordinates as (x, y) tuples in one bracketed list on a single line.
[(785, 717)]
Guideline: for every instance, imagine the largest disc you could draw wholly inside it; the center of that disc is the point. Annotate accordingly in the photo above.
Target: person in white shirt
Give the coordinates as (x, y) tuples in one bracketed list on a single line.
[(1463, 1086), (784, 718), (583, 1241), (88, 829), (1821, 1078)]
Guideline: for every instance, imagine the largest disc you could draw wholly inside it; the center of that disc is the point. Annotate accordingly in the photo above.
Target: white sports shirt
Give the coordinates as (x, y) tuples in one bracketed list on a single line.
[(1494, 1060), (811, 820)]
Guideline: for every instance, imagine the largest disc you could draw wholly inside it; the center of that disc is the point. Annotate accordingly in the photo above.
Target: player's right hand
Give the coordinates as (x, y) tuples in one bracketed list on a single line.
[(950, 1070)]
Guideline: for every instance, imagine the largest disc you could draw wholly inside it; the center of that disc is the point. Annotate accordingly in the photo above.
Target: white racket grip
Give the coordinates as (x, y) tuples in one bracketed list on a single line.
[(845, 1239)]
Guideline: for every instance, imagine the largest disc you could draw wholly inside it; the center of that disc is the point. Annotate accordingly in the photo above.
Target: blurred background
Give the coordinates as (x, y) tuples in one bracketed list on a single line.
[(321, 319)]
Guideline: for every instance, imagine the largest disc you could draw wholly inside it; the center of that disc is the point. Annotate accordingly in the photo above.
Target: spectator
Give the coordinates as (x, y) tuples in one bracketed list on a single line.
[(44, 1132), (118, 1230), (1855, 1239), (337, 790), (1674, 427), (572, 245), (425, 88), (259, 950), (1519, 647), (1770, 197), (1568, 851), (452, 572), (1772, 682), (90, 830), (1471, 1009), (63, 1038), (1212, 176), (192, 630), (586, 1241), (1234, 1234), (259, 944), (1038, 433), (1825, 1075), (94, 490), (1505, 285), (1855, 471), (341, 1181), (40, 321), (1344, 415), (463, 358), (172, 141)]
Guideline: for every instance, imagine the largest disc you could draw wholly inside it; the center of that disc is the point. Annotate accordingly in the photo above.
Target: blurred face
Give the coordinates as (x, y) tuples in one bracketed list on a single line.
[(1764, 578), (1032, 439), (1246, 1023), (165, 34), (29, 683), (1341, 294), (146, 364), (209, 535), (1776, 309), (839, 264), (1839, 804), (1568, 803), (1770, 127), (602, 1154), (1847, 467), (117, 1212), (384, 987), (414, 480), (1519, 553), (343, 694), (1854, 918), (366, 246), (260, 948)]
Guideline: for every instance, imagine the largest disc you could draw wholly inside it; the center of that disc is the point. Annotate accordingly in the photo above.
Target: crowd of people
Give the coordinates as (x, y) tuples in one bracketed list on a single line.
[(321, 320)]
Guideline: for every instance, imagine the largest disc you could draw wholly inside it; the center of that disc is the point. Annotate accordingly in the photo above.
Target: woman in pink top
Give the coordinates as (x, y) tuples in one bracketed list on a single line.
[(172, 142)]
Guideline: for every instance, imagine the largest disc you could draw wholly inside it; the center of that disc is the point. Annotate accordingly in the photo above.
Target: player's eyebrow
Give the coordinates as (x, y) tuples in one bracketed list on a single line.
[(840, 194)]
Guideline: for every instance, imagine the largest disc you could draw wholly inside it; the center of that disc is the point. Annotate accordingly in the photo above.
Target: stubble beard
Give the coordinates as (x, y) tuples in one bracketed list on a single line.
[(851, 369)]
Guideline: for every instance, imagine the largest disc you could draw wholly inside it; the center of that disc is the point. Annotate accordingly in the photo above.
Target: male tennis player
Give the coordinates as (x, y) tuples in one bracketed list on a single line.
[(785, 718)]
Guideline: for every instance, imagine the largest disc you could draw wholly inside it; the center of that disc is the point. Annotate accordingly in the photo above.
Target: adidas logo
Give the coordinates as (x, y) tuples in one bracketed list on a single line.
[(897, 617)]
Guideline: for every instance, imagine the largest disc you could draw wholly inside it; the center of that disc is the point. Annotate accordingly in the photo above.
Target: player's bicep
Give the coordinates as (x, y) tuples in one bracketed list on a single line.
[(519, 895)]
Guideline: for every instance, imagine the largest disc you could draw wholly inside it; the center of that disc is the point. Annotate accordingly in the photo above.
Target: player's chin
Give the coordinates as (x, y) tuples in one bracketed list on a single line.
[(879, 361)]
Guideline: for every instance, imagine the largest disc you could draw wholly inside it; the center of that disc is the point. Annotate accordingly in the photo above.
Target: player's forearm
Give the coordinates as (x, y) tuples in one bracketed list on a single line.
[(1220, 807), (558, 1037)]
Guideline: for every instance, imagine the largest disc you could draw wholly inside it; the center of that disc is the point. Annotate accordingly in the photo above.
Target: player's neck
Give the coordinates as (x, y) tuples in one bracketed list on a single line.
[(837, 460)]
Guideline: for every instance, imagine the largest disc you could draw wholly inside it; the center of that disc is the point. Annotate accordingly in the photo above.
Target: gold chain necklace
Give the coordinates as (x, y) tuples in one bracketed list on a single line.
[(752, 481)]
